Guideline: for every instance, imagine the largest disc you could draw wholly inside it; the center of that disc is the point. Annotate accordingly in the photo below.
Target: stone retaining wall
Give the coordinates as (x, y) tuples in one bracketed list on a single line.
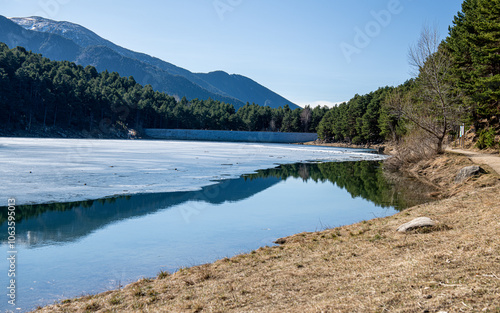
[(235, 136)]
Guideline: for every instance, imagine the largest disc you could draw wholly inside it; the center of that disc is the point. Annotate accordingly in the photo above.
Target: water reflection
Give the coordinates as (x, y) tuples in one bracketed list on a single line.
[(365, 179), (67, 222)]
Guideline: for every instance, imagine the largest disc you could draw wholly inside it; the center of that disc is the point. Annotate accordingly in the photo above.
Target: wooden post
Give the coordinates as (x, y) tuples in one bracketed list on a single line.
[(462, 133)]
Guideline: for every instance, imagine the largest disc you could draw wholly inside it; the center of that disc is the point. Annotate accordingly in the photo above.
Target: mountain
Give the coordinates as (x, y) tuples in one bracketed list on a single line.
[(242, 87), (50, 45), (72, 42), (56, 47)]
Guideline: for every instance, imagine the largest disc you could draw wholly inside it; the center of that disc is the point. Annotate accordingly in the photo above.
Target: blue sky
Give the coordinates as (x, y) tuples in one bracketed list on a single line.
[(322, 51)]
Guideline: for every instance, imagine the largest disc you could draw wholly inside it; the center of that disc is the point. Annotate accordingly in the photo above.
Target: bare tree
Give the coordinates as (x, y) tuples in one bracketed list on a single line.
[(305, 117), (434, 105)]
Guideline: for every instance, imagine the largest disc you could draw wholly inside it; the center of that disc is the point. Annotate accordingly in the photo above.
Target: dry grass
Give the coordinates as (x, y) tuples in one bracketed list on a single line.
[(365, 267), (411, 149), (440, 172)]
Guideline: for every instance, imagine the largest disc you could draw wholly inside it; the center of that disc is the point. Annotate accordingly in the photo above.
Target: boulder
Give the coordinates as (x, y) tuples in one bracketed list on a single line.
[(416, 223), (467, 172), (280, 241)]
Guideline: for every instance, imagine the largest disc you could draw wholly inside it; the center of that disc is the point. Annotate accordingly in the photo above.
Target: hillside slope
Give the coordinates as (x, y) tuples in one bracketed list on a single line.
[(88, 48)]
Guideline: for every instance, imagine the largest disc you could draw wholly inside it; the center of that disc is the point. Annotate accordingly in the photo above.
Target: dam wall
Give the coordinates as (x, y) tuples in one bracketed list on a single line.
[(226, 135)]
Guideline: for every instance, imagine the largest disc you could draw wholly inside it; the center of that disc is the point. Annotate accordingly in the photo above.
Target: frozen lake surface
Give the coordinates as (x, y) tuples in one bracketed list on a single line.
[(36, 170)]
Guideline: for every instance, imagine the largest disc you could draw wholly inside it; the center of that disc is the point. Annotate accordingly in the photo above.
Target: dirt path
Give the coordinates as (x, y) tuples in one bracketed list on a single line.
[(492, 160)]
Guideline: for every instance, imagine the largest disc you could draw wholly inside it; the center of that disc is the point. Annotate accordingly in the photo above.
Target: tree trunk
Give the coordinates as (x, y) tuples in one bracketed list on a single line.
[(29, 124), (70, 116), (45, 116), (55, 116), (440, 145)]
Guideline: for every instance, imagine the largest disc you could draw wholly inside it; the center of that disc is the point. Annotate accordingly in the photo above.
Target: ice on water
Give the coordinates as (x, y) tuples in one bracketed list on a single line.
[(38, 170)]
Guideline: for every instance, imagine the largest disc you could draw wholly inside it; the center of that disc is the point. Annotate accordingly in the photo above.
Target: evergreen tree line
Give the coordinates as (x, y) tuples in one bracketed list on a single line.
[(360, 120), (457, 80), (35, 91)]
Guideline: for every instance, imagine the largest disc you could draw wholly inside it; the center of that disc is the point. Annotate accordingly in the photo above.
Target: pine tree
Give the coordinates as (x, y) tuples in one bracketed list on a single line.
[(474, 45)]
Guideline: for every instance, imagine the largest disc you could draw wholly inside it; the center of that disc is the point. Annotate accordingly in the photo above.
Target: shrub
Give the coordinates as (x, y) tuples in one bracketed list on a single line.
[(486, 138), (357, 140), (414, 147)]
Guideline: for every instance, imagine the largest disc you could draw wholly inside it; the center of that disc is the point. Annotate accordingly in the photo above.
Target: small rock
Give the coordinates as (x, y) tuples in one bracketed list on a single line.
[(280, 241), (467, 172), (416, 223), (434, 194)]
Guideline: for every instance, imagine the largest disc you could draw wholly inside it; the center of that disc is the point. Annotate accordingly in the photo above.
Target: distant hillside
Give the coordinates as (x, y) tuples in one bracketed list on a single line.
[(72, 42), (242, 87)]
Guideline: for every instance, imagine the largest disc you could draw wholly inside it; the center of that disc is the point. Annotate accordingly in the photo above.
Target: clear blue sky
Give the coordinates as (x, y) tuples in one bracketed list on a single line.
[(307, 51)]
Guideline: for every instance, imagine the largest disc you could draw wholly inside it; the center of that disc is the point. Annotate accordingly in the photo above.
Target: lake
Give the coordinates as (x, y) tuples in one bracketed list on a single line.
[(71, 249), (38, 170)]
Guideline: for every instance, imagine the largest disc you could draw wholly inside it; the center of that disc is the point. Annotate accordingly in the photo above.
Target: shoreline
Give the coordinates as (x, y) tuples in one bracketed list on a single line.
[(344, 145), (366, 266)]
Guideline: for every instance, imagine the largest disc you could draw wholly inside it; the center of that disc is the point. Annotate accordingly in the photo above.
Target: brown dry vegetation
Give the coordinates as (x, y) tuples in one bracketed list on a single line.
[(365, 267)]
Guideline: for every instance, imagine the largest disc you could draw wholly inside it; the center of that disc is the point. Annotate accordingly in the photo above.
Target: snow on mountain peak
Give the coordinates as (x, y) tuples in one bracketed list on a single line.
[(80, 35), (33, 23)]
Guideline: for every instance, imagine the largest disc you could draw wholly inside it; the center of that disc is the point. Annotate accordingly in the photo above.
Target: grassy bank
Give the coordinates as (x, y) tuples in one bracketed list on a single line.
[(366, 267)]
